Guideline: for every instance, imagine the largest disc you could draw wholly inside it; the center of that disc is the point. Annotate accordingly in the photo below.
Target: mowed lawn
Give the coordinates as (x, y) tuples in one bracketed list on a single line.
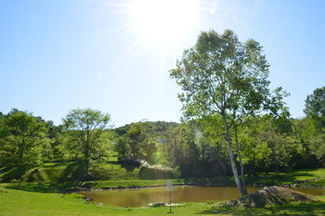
[(18, 202), (21, 203)]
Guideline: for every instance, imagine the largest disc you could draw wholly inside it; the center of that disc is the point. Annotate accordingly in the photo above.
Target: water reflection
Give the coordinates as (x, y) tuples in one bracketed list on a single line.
[(142, 197)]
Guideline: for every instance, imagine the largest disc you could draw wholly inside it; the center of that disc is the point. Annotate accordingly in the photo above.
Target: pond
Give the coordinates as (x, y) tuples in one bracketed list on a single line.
[(144, 196)]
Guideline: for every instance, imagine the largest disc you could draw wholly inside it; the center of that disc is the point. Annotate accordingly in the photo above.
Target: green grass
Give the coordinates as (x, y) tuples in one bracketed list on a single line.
[(42, 196), (22, 203), (292, 209), (68, 171), (289, 178), (114, 170)]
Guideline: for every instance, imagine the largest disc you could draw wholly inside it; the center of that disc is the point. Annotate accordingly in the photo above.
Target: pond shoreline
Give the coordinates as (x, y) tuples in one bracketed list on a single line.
[(88, 187), (85, 189), (180, 194)]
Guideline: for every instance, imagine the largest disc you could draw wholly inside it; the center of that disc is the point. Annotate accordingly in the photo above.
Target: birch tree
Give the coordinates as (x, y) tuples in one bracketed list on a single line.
[(220, 75)]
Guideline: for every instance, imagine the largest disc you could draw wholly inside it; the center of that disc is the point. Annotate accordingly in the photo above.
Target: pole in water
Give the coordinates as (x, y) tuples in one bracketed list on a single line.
[(170, 188)]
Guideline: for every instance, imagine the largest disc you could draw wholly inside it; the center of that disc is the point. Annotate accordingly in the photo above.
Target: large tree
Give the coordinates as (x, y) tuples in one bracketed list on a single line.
[(22, 141), (220, 75), (315, 107), (315, 122), (137, 140), (86, 126)]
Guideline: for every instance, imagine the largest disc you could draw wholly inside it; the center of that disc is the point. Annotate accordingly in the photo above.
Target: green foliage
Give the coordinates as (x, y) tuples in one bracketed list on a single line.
[(196, 148), (220, 75), (23, 141), (315, 107), (121, 146), (155, 172), (86, 128), (314, 124), (136, 140)]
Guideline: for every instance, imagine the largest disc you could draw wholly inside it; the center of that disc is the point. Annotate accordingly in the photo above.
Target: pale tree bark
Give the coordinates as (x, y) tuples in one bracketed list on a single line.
[(239, 184)]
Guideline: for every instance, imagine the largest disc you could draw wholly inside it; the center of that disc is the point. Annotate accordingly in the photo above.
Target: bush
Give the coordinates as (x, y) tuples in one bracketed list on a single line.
[(155, 172)]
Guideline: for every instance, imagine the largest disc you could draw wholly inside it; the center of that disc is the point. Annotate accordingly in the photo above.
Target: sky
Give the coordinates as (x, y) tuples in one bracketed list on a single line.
[(115, 55)]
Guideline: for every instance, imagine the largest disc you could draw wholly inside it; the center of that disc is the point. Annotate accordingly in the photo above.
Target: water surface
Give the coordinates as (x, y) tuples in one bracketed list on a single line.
[(142, 197)]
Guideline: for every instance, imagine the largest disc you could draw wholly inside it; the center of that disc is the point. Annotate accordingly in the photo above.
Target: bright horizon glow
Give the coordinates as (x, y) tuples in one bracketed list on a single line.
[(164, 21)]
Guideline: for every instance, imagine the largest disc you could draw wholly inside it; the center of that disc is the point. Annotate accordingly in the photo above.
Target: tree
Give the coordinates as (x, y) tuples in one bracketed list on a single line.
[(136, 139), (315, 113), (305, 133), (280, 144), (223, 76), (86, 127), (315, 107), (22, 141)]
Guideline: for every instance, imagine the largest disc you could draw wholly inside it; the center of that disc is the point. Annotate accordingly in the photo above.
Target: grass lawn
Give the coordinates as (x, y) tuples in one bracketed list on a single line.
[(42, 199), (289, 178), (23, 203), (311, 209)]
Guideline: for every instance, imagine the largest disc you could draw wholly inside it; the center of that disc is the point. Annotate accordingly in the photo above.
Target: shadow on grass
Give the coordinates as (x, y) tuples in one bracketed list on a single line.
[(72, 176), (55, 165), (302, 174), (291, 209), (34, 187), (73, 172)]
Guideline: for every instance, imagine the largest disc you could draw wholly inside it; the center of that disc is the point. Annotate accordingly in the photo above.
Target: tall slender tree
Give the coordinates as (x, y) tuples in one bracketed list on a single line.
[(315, 114), (315, 107), (220, 75)]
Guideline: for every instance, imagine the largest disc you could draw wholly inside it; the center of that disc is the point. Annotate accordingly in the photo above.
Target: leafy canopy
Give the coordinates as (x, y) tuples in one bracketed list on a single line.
[(315, 106), (222, 75)]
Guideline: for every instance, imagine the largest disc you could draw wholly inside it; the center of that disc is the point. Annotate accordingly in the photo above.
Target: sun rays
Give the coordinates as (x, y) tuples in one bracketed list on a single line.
[(164, 21)]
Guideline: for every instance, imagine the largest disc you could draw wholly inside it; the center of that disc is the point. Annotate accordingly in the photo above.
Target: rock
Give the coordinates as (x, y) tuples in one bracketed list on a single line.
[(273, 195), (157, 204), (87, 199)]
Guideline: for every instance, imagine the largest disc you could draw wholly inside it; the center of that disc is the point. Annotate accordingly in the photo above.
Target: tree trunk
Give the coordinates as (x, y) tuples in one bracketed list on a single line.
[(242, 177), (86, 160), (239, 185), (275, 162)]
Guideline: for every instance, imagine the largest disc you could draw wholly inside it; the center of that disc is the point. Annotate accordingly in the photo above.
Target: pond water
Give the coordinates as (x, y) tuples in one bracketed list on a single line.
[(142, 197)]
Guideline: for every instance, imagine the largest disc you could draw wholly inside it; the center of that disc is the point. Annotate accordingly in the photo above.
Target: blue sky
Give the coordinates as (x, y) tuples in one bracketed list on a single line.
[(57, 55)]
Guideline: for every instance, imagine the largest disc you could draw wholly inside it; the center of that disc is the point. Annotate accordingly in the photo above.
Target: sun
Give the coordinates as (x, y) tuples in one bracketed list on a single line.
[(164, 21)]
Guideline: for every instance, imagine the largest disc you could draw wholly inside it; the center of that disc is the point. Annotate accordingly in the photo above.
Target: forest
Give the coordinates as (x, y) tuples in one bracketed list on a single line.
[(191, 149)]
